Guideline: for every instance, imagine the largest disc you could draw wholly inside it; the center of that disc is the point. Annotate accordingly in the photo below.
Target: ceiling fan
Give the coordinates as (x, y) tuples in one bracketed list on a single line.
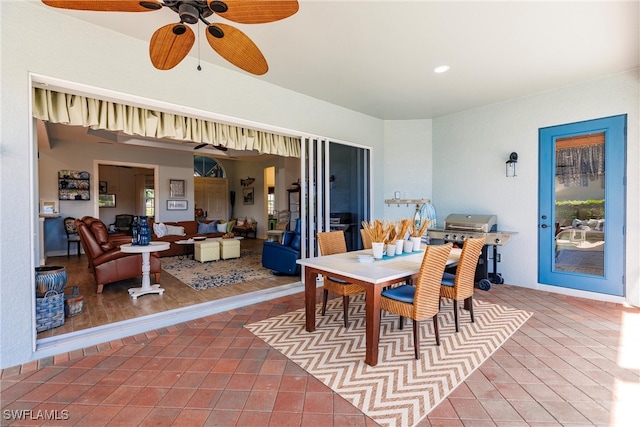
[(171, 43), (219, 147)]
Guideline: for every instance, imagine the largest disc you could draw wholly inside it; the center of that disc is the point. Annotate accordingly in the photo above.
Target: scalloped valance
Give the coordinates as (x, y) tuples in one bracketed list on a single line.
[(64, 108)]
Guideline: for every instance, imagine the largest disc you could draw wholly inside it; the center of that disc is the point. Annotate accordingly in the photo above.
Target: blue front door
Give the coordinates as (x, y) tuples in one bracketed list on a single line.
[(582, 205)]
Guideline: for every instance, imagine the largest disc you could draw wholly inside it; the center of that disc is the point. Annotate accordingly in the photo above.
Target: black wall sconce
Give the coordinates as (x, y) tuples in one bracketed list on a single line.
[(510, 165)]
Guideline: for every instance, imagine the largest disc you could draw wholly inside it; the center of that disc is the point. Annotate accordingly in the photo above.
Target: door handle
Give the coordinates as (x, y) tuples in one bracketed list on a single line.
[(544, 226)]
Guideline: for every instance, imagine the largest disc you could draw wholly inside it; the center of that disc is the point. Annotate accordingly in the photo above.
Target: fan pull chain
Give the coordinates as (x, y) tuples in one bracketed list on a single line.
[(199, 68)]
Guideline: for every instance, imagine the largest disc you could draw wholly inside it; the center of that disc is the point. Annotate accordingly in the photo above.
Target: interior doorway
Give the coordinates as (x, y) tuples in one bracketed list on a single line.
[(125, 188)]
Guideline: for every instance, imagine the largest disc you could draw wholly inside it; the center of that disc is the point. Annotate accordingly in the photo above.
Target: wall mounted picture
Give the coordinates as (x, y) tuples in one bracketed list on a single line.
[(247, 195), (102, 187), (106, 200), (177, 188), (48, 207), (177, 205)]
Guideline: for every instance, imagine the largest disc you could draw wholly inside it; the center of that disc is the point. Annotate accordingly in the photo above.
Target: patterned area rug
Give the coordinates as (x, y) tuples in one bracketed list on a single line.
[(400, 390), (212, 274)]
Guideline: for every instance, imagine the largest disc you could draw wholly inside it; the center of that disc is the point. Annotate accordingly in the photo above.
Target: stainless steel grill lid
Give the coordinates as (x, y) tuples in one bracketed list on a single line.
[(466, 222)]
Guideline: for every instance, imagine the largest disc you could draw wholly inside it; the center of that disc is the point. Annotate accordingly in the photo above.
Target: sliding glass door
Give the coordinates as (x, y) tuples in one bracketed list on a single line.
[(336, 191)]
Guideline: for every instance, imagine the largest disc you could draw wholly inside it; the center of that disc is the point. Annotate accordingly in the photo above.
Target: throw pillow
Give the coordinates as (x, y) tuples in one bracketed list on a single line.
[(230, 226), (241, 222), (160, 229), (204, 228), (222, 228), (173, 230)]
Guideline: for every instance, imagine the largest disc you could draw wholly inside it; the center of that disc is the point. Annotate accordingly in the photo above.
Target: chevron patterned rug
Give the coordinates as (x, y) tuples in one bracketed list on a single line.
[(399, 391)]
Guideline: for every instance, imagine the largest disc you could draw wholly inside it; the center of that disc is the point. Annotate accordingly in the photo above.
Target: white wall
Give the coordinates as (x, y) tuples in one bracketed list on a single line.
[(408, 164), (37, 39), (470, 150)]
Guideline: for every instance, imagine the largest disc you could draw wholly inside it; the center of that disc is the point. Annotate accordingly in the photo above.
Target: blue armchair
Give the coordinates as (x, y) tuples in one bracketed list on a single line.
[(282, 257)]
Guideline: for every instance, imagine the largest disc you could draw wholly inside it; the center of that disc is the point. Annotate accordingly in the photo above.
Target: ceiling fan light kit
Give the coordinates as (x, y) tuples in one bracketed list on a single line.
[(171, 43)]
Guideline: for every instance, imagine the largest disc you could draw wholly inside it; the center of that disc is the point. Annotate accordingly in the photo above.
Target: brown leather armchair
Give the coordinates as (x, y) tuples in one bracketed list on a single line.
[(108, 263)]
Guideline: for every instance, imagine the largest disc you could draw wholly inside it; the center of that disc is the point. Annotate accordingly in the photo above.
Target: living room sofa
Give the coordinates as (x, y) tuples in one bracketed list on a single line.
[(181, 230)]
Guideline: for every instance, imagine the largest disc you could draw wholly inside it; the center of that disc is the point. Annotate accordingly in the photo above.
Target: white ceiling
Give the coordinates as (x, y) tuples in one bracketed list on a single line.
[(377, 57)]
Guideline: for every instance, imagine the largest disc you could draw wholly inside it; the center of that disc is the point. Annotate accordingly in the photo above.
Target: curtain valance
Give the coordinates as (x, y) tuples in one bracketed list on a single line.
[(576, 166), (58, 107)]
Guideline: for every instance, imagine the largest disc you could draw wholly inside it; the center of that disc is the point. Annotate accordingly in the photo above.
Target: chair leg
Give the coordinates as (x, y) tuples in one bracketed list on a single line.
[(435, 328), (416, 339), (345, 309), (78, 244), (68, 248), (401, 322), (470, 303), (325, 294), (455, 313)]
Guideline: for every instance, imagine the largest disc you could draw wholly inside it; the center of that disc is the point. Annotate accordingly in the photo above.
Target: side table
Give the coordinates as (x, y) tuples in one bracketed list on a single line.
[(146, 288)]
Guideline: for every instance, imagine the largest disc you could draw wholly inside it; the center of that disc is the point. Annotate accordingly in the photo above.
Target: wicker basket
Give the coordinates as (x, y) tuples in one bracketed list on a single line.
[(49, 311), (73, 303), (50, 278)]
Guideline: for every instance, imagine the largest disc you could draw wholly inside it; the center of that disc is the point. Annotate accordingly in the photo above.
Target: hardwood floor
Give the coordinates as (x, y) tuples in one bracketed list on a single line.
[(115, 304)]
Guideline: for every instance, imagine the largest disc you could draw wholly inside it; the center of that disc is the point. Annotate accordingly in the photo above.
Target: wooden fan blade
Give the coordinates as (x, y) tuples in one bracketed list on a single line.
[(256, 11), (106, 5), (170, 44), (237, 48)]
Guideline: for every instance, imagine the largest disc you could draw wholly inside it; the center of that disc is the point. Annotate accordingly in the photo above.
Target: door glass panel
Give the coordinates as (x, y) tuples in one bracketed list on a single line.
[(349, 186), (580, 204)]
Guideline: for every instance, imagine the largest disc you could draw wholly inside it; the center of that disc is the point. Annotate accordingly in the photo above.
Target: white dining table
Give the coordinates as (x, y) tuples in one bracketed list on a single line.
[(374, 276), (145, 250)]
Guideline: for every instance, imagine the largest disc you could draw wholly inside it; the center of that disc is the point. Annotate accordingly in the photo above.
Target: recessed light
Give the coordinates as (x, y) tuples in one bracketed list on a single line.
[(441, 69)]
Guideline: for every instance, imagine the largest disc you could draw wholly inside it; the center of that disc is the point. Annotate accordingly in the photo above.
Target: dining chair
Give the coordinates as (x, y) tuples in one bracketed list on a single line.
[(421, 301), (459, 286), (333, 242), (72, 234), (366, 239)]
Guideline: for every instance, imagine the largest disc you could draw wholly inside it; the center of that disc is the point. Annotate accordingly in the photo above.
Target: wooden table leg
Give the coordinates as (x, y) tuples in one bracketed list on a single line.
[(372, 316), (310, 298)]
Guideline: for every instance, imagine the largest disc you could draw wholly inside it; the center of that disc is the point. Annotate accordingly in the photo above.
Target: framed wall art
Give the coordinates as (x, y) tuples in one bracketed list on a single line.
[(177, 188), (177, 205), (106, 200), (247, 195), (102, 187), (48, 207)]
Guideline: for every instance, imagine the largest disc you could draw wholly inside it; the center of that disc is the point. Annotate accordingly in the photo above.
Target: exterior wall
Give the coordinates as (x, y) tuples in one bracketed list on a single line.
[(471, 147)]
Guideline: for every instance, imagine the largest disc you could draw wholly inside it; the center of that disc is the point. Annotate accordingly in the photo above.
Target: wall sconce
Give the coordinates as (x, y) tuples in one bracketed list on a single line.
[(510, 165)]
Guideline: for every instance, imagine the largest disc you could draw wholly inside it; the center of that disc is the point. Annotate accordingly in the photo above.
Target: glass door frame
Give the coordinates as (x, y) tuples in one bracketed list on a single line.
[(315, 199), (612, 282)]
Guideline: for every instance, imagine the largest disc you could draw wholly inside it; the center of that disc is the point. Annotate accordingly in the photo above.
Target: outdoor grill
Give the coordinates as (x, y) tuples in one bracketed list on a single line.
[(459, 227)]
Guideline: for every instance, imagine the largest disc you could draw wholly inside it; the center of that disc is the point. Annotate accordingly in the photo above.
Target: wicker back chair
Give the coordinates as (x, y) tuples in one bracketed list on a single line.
[(366, 238), (459, 286), (422, 301), (333, 242), (72, 234)]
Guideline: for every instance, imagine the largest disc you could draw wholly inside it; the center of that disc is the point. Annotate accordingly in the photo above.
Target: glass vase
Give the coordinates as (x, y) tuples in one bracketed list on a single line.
[(144, 234)]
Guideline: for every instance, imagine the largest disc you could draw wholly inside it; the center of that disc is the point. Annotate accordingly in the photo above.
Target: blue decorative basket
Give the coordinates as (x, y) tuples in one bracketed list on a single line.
[(50, 278), (49, 311)]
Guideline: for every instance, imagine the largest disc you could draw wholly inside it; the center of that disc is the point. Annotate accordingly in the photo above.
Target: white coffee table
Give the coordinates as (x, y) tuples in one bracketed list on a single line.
[(146, 288)]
